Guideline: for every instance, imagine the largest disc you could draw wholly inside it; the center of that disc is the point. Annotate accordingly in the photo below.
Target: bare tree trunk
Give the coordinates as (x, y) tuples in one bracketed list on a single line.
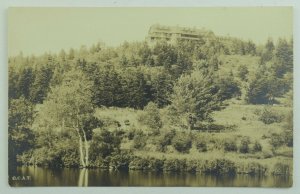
[(86, 145), (81, 150)]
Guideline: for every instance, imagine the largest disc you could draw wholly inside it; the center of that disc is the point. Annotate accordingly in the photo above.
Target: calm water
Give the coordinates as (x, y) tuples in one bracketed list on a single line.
[(35, 176)]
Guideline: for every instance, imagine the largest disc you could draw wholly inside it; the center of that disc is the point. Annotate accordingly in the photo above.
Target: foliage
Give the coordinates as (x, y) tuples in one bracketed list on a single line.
[(244, 147), (139, 164), (139, 140), (201, 146), (53, 97), (222, 166), (151, 116), (174, 165), (230, 145), (104, 143), (276, 140), (228, 88), (20, 136), (165, 139), (182, 142), (263, 89), (269, 116), (257, 147), (194, 98), (243, 72), (120, 161)]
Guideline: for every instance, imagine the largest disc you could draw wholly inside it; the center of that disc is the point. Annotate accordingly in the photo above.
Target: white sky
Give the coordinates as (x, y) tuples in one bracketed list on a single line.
[(39, 30)]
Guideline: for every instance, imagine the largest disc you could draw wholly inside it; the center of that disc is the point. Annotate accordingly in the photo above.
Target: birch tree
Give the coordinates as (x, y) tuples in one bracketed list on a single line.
[(68, 107)]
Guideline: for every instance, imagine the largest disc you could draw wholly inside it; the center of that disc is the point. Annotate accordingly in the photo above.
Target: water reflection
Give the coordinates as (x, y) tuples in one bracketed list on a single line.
[(96, 177), (83, 178)]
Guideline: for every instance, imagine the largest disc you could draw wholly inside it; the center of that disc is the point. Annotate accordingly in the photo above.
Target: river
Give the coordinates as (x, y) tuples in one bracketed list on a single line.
[(36, 176)]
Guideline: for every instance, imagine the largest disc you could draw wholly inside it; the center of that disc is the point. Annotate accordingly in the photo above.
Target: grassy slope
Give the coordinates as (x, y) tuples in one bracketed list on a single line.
[(231, 115)]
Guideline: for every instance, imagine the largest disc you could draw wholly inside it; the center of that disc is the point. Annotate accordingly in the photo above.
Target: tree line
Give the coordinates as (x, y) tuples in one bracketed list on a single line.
[(59, 92)]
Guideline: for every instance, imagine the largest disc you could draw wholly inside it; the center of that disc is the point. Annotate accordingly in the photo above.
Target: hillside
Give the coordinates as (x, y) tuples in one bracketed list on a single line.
[(201, 104)]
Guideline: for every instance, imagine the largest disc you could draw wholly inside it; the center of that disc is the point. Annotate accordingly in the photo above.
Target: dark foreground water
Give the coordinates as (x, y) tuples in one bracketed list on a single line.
[(35, 176)]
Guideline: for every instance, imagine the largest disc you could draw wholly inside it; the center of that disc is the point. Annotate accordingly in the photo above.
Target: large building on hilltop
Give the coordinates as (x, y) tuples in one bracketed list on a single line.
[(173, 33)]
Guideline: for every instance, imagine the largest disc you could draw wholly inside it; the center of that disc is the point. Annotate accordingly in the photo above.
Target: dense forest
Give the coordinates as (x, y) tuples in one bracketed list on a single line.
[(106, 107)]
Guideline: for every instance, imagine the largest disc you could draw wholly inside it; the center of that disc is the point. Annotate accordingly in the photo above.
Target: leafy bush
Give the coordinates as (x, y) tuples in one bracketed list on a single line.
[(139, 164), (229, 145), (192, 166), (165, 140), (120, 161), (244, 147), (201, 144), (131, 133), (228, 88), (99, 162), (103, 144), (70, 158), (262, 89), (156, 164), (276, 140), (243, 72), (288, 138), (252, 168), (222, 166), (175, 165), (151, 116), (139, 140), (182, 142), (269, 116), (25, 158), (257, 147)]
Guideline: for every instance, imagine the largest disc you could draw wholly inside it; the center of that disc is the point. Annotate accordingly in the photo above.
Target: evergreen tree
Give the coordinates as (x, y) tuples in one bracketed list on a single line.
[(41, 84)]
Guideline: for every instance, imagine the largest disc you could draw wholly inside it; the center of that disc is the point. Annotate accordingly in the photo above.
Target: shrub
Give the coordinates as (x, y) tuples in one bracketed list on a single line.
[(182, 143), (139, 164), (252, 168), (25, 158), (269, 116), (139, 140), (165, 140), (192, 166), (257, 147), (276, 140), (70, 158), (47, 157), (175, 165), (99, 162), (201, 144), (131, 133), (222, 166), (243, 72), (228, 87), (120, 161), (229, 145), (156, 164), (151, 116), (103, 144), (288, 138), (244, 147)]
